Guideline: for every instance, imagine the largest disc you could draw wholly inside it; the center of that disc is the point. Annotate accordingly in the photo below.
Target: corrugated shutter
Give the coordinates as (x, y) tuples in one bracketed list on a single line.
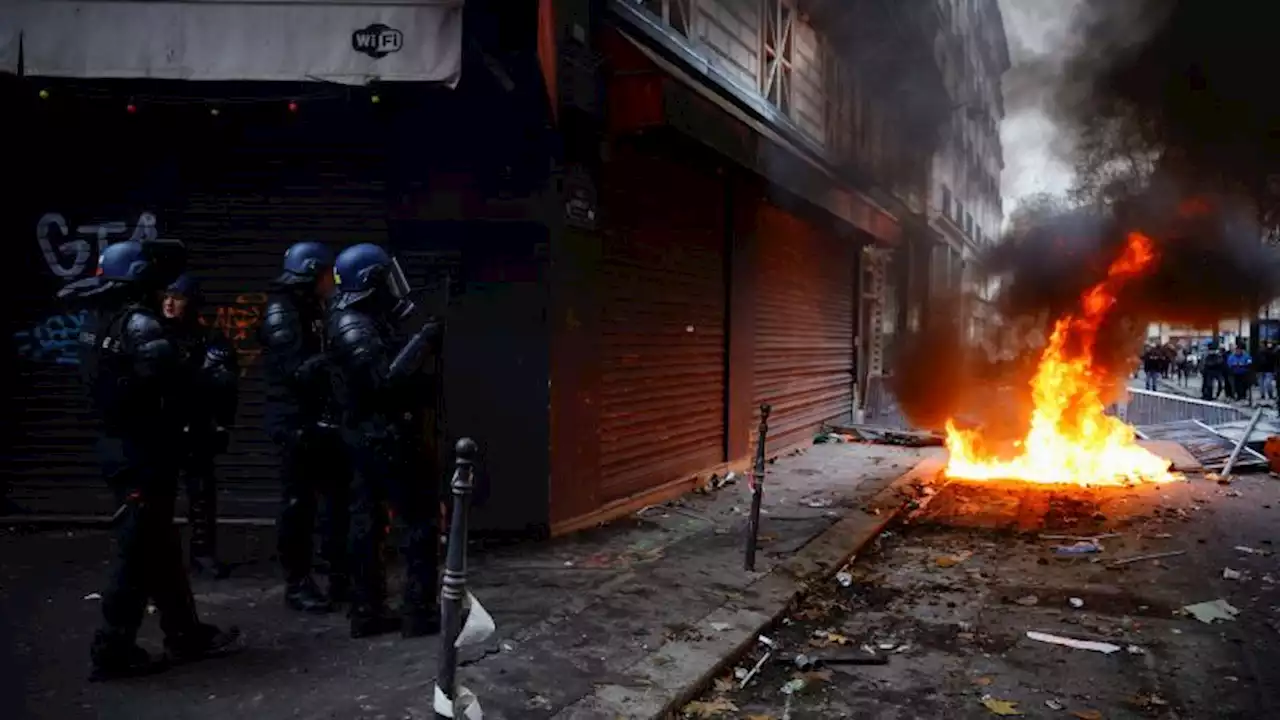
[(238, 196), (256, 196), (663, 323), (805, 326)]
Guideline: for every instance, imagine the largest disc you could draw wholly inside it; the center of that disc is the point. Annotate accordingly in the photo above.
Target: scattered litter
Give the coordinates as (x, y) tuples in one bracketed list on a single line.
[(768, 643), (1135, 650), (793, 686), (1087, 714), (983, 681), (819, 502), (1101, 647), (1149, 556), (887, 646), (1028, 601), (1252, 551), (1003, 708), (822, 638), (1085, 538), (1146, 702), (1076, 603), (1054, 705), (1083, 547), (845, 578), (1229, 574), (709, 708), (720, 626), (1160, 536), (946, 561), (738, 674), (93, 596), (1207, 612)]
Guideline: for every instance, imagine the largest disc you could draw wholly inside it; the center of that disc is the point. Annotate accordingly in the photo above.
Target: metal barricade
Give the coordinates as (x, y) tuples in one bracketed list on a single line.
[(1148, 407)]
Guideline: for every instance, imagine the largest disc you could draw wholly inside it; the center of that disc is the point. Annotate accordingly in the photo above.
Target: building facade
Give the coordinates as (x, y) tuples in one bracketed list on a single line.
[(965, 199), (643, 219)]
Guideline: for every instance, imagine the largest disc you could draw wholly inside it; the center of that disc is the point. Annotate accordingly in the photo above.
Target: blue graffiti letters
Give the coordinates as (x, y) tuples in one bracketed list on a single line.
[(52, 340)]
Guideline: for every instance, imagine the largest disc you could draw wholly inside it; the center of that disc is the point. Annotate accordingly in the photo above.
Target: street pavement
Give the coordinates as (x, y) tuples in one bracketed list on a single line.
[(949, 599), (570, 614)]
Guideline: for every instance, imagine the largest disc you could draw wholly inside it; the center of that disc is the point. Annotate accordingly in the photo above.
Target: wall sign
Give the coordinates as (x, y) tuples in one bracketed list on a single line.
[(377, 40)]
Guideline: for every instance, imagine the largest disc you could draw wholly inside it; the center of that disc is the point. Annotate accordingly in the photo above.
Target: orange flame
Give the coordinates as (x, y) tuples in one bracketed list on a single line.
[(1071, 439)]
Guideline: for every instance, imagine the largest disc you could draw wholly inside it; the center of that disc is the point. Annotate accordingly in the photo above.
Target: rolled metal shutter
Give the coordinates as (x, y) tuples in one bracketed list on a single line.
[(805, 326), (662, 404), (256, 196)]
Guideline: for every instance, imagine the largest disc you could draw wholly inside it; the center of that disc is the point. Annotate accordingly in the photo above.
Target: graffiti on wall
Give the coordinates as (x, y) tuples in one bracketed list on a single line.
[(52, 340), (239, 322), (69, 254)]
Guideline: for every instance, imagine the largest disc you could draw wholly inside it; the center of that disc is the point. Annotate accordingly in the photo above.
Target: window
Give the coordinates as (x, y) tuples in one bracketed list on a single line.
[(968, 224), (959, 213), (977, 234), (775, 84), (946, 200), (676, 13)]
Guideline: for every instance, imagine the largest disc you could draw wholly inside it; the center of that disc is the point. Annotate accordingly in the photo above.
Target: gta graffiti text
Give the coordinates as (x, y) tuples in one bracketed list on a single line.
[(52, 341), (239, 322), (81, 248)]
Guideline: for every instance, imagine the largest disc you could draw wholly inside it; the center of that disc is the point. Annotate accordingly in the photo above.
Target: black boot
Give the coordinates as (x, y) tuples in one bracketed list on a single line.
[(305, 596), (202, 641), (115, 658), (368, 621), (420, 623)]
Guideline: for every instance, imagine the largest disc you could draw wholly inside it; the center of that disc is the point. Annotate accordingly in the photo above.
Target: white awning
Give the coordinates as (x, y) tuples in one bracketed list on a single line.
[(348, 42)]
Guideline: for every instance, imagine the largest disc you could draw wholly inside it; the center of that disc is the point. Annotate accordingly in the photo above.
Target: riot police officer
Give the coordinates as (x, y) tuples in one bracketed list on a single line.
[(209, 410), (380, 388), (136, 380), (301, 419)]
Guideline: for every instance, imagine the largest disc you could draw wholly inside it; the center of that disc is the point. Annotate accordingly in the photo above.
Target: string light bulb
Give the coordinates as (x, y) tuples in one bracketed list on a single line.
[(293, 106), (131, 108), (215, 112), (44, 94), (375, 98)]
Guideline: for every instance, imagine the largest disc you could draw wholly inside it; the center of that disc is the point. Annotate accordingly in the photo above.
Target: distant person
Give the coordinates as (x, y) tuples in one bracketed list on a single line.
[(1238, 366), (1152, 367), (1212, 373), (1266, 368)]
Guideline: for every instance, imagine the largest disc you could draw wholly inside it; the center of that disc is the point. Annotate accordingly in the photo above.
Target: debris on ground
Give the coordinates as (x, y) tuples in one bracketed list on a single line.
[(1083, 547), (946, 561), (1004, 708), (1149, 556), (1207, 612), (709, 708), (845, 578), (883, 436), (1076, 602), (1102, 647), (1229, 574), (1028, 600), (1252, 551), (1087, 714)]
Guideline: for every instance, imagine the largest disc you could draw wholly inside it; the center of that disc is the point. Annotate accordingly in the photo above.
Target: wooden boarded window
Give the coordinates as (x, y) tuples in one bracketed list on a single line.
[(777, 42), (678, 14)]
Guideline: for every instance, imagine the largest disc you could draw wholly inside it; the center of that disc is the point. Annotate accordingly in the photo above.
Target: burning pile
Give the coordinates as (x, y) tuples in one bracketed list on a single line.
[(1071, 440)]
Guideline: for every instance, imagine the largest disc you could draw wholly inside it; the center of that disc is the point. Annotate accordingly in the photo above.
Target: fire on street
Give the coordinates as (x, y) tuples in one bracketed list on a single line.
[(948, 599)]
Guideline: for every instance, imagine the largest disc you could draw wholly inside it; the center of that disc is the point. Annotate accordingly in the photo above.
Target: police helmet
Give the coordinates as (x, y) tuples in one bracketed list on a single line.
[(364, 270), (304, 262), (123, 262)]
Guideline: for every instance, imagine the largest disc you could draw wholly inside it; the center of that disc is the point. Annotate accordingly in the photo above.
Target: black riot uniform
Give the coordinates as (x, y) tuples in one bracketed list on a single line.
[(384, 394), (135, 380), (302, 420), (208, 411)]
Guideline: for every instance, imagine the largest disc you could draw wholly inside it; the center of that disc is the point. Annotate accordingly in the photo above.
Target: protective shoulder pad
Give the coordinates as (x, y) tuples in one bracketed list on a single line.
[(143, 327), (281, 324), (354, 335)]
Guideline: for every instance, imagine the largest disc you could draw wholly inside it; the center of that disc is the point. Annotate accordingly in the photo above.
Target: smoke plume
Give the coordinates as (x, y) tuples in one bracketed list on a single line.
[(1186, 80)]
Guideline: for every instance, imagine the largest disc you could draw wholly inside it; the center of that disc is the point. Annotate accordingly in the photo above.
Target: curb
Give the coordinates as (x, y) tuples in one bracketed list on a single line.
[(676, 672)]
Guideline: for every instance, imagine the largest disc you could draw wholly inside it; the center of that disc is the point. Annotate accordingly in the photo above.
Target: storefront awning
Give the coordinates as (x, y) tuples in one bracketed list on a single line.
[(351, 43)]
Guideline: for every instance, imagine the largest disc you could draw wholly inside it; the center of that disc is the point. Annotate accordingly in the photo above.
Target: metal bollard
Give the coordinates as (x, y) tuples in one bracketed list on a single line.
[(757, 491), (453, 590)]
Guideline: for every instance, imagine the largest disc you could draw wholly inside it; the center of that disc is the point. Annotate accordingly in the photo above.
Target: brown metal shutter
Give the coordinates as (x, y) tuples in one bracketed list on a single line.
[(255, 197), (662, 414), (805, 324)]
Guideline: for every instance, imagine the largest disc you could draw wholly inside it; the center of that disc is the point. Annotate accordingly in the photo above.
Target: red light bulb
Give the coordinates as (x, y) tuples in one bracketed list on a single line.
[(293, 107), (131, 108)]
